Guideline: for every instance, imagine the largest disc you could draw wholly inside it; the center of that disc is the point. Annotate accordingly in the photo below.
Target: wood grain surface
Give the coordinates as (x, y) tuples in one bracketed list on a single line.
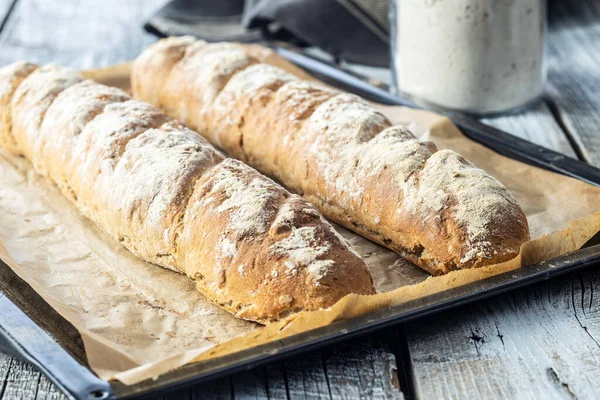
[(537, 125), (540, 342), (574, 72)]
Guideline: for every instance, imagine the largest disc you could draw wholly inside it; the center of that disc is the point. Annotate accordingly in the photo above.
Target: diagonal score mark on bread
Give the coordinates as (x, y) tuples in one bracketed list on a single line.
[(433, 207), (172, 199)]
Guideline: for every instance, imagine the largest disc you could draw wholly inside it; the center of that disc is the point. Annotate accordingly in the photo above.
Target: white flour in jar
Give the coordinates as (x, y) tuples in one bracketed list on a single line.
[(481, 56)]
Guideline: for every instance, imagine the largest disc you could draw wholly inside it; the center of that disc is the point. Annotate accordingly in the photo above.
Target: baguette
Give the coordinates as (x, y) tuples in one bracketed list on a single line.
[(172, 199), (431, 206)]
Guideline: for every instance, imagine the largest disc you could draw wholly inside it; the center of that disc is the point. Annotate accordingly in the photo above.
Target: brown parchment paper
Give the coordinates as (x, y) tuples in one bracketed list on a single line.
[(138, 321)]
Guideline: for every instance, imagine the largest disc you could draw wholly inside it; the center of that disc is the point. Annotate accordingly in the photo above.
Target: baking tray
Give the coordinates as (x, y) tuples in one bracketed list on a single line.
[(31, 330)]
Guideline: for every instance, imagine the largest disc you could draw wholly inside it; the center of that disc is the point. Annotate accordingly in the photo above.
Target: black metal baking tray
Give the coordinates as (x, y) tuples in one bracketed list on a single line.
[(31, 330)]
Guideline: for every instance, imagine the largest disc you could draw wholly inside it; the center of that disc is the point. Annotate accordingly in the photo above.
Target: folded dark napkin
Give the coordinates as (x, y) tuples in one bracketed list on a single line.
[(351, 30), (210, 20)]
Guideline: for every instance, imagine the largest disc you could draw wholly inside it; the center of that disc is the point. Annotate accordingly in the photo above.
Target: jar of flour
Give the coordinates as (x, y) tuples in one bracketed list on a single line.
[(477, 56)]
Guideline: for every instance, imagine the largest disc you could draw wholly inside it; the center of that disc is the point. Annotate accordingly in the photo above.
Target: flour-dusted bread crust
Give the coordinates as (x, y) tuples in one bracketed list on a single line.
[(431, 206), (168, 196), (10, 78)]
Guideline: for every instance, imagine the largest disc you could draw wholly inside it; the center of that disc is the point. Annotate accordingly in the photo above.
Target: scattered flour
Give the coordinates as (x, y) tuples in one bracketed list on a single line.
[(255, 77), (302, 249), (247, 201), (285, 216), (353, 144), (226, 248), (319, 268), (291, 268)]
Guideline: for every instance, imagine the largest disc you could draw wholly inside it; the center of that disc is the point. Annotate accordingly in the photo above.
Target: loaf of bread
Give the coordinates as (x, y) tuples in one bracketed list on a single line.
[(431, 206), (171, 198)]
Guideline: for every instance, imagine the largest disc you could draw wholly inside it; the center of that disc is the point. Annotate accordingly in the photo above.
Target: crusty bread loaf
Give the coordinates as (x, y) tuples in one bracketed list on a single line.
[(168, 196), (432, 207)]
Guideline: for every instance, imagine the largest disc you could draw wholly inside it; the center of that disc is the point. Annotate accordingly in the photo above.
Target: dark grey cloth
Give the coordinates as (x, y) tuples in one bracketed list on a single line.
[(211, 20), (352, 30)]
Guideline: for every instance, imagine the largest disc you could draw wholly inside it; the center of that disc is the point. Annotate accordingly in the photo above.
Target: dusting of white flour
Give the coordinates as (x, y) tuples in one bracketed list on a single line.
[(302, 249)]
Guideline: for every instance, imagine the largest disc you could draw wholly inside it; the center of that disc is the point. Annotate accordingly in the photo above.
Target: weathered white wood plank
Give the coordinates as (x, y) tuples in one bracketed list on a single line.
[(364, 372), (250, 385), (277, 386), (536, 125), (305, 376), (47, 391), (19, 380), (22, 381), (363, 368), (541, 342), (219, 389), (5, 364), (80, 34), (574, 70)]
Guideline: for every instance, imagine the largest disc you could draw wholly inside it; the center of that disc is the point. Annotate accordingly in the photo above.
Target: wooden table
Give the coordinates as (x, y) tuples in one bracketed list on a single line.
[(539, 342)]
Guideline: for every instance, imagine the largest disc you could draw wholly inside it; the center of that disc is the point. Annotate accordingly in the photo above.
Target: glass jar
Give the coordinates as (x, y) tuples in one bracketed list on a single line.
[(476, 56)]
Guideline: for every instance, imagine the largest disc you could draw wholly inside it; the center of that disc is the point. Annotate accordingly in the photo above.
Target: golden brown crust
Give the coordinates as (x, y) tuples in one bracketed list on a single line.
[(433, 207), (31, 101), (172, 199), (281, 260), (10, 78)]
